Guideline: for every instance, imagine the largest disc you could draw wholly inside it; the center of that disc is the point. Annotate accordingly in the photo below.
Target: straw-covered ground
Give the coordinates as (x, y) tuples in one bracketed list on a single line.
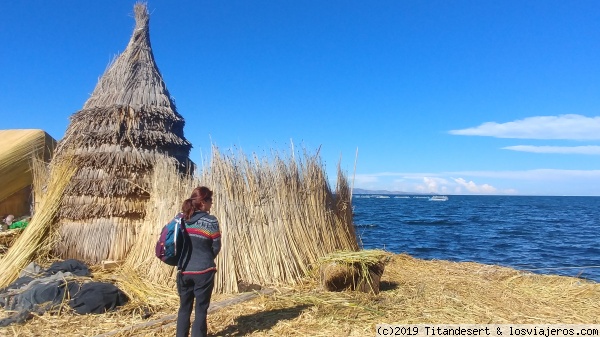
[(412, 291)]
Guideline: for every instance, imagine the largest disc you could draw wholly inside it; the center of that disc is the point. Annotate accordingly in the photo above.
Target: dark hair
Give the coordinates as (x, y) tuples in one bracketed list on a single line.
[(201, 193)]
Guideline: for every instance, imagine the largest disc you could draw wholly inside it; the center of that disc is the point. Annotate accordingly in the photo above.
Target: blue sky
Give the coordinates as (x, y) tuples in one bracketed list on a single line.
[(451, 97)]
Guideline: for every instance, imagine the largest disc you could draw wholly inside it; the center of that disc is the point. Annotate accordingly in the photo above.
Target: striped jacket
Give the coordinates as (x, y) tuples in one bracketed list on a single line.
[(202, 243)]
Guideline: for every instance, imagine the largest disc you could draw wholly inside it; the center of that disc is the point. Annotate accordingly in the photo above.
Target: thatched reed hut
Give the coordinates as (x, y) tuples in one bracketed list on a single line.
[(129, 122), (19, 149)]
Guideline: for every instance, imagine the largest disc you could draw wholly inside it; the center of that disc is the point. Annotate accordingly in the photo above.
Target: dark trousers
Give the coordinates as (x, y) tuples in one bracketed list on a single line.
[(190, 287)]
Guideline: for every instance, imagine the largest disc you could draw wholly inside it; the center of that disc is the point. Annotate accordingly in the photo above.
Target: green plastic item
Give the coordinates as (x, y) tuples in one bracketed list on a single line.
[(18, 224)]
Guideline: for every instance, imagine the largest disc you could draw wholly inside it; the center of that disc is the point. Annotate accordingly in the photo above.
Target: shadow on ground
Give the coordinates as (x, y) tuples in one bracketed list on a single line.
[(258, 321), (385, 286)]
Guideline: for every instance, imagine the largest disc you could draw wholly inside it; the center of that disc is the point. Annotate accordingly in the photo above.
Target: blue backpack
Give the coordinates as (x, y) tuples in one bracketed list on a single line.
[(169, 246)]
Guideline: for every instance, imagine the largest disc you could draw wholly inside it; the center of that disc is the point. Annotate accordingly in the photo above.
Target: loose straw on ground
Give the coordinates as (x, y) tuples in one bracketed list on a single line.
[(412, 291), (34, 241)]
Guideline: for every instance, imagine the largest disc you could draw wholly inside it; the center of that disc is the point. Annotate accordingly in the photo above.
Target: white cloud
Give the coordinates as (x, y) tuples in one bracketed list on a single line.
[(518, 175), (435, 184), (456, 186), (536, 182), (432, 184), (474, 188), (589, 149), (538, 174), (575, 127)]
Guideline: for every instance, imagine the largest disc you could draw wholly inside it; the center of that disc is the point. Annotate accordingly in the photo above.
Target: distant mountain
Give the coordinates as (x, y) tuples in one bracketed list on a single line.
[(363, 191)]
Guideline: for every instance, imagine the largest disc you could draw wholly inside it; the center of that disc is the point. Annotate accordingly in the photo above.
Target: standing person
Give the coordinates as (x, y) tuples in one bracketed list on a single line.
[(196, 278)]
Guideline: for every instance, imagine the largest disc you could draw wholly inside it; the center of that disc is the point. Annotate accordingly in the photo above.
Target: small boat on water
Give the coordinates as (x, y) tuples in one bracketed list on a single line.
[(438, 198)]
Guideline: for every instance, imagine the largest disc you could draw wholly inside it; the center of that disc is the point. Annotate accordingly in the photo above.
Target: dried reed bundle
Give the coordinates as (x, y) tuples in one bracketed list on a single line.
[(40, 170), (168, 189), (354, 269), (17, 149), (96, 240), (343, 194), (278, 217), (365, 257), (35, 239)]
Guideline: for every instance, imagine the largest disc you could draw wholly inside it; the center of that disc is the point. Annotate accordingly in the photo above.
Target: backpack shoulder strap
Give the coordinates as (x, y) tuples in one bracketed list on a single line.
[(180, 231)]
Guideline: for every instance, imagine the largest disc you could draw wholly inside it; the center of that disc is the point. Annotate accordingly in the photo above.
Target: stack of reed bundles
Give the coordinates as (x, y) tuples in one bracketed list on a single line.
[(278, 216), (129, 123), (357, 270), (18, 150)]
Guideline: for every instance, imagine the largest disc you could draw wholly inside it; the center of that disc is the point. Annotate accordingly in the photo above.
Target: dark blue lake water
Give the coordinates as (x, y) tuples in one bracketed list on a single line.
[(549, 235)]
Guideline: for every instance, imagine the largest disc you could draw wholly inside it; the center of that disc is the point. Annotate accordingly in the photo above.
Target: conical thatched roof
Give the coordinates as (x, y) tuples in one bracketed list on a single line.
[(129, 121)]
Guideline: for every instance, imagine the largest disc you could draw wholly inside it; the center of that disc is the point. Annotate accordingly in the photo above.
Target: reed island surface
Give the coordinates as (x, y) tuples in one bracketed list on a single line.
[(412, 291)]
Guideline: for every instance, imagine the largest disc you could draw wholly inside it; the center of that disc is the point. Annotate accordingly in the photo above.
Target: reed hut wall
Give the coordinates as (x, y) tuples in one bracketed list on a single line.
[(127, 125), (18, 150), (277, 217), (18, 204)]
